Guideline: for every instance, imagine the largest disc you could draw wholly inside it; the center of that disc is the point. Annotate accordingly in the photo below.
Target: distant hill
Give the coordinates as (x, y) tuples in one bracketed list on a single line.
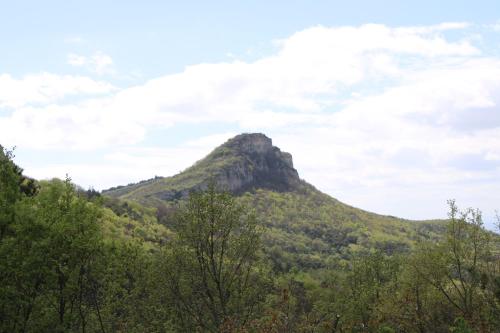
[(304, 226), (245, 163)]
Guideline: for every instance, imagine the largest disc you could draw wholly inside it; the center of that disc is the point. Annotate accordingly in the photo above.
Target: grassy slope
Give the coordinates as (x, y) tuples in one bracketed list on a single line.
[(201, 171)]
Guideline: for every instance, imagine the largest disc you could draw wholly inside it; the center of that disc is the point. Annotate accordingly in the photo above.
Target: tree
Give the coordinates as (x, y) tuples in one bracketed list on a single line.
[(49, 261), (368, 276), (211, 268), (460, 268), (9, 190)]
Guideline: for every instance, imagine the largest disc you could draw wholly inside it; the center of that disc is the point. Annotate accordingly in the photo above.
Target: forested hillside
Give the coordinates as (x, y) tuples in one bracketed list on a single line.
[(263, 257), (305, 228)]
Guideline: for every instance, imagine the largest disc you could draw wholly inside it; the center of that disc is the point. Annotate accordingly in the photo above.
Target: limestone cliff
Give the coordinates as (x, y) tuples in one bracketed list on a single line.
[(258, 164), (244, 163)]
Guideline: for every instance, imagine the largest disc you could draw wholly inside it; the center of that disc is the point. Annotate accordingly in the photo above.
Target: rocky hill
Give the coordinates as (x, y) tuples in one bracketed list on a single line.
[(244, 163), (305, 227)]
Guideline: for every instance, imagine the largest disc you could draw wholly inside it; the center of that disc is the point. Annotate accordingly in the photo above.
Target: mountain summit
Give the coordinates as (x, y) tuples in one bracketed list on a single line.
[(244, 163), (254, 163), (305, 227)]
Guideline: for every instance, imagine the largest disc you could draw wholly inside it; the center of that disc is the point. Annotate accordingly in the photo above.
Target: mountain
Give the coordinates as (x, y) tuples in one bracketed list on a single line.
[(244, 163), (304, 226)]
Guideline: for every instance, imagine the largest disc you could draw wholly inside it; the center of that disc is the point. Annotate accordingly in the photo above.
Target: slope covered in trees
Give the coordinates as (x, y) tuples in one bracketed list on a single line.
[(75, 261), (304, 227)]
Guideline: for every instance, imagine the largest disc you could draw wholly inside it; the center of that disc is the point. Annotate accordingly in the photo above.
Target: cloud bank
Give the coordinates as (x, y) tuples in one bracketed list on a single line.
[(385, 118)]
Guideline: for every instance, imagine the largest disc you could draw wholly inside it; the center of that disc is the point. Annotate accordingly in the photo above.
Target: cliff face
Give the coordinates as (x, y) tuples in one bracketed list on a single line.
[(258, 164), (244, 163)]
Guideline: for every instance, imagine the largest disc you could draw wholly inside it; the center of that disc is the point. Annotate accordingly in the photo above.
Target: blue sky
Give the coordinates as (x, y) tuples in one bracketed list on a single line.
[(391, 106), (158, 37)]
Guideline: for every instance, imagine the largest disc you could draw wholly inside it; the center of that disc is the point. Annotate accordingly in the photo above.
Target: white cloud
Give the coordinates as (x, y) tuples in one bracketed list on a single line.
[(99, 62), (131, 164), (395, 112), (83, 126), (47, 88), (311, 74), (210, 142), (76, 60), (438, 27), (102, 62)]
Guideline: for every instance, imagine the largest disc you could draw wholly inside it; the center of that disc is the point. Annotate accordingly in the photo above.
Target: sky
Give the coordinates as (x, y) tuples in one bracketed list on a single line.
[(390, 106)]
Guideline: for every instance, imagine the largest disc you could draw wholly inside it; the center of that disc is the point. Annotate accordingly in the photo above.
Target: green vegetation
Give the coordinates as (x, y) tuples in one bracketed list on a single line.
[(310, 230), (129, 220), (211, 267), (201, 172), (76, 261), (305, 228)]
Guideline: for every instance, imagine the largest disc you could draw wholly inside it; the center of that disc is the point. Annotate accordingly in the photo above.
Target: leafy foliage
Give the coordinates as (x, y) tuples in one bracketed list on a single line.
[(211, 267), (76, 261)]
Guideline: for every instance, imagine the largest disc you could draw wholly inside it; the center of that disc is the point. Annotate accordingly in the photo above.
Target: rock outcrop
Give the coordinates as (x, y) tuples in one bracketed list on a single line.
[(258, 164), (244, 163)]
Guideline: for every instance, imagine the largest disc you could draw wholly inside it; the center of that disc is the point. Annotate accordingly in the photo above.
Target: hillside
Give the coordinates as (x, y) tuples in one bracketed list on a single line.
[(244, 163), (304, 226), (321, 265)]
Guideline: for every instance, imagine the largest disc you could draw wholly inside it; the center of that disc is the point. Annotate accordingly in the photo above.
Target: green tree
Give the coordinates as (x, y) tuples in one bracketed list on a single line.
[(211, 268), (411, 304), (49, 262), (459, 268), (367, 279), (9, 190)]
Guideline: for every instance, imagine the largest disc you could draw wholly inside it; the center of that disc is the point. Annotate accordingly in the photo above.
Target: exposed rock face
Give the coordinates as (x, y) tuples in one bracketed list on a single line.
[(261, 165), (244, 163)]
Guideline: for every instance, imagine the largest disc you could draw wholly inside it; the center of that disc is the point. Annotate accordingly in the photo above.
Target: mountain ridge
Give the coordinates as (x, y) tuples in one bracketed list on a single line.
[(243, 163), (304, 227)]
